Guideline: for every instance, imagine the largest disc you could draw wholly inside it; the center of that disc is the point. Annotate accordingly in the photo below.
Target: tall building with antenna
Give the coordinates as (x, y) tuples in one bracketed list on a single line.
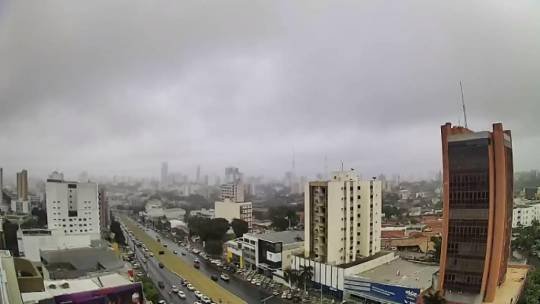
[(477, 212)]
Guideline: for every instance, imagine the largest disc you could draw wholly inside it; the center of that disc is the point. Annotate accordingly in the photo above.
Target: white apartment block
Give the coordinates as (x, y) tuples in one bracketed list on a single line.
[(230, 210), (342, 218), (73, 207), (232, 191), (525, 215)]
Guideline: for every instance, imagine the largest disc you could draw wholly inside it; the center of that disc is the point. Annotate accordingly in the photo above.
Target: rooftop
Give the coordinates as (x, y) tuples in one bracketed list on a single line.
[(59, 287), (72, 263), (286, 237), (403, 273)]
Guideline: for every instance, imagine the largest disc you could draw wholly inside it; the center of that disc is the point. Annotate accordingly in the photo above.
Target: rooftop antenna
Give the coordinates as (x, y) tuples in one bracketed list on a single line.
[(463, 104)]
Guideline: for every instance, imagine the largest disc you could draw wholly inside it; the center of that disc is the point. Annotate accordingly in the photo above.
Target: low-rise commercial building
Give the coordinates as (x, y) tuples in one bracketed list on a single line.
[(398, 281), (270, 253)]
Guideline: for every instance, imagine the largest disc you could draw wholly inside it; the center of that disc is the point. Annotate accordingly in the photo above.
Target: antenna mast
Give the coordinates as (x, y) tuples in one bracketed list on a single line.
[(463, 104)]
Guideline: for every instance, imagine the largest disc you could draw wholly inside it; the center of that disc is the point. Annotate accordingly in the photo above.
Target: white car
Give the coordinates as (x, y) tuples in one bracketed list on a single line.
[(162, 302), (198, 294), (206, 300), (224, 277), (181, 294), (190, 287), (174, 289)]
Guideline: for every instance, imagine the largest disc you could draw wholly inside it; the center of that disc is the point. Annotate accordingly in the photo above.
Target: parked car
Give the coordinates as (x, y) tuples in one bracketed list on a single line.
[(214, 277), (181, 294), (190, 287), (161, 252), (175, 252), (161, 284), (161, 265)]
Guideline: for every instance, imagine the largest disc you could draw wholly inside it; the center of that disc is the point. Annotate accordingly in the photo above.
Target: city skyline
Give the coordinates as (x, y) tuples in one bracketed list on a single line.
[(333, 82)]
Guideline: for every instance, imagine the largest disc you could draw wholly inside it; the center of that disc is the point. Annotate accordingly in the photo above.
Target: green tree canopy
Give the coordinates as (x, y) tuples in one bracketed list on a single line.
[(239, 227)]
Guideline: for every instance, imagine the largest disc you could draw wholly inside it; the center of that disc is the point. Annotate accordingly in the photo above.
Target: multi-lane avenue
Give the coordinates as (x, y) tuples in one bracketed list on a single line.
[(234, 291)]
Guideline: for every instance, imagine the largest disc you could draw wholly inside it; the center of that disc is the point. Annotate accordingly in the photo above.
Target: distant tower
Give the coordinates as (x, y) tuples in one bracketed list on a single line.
[(164, 173), (1, 185), (198, 177), (22, 185)]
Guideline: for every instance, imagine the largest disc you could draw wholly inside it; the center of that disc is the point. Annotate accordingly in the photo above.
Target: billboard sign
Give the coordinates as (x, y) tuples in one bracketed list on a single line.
[(273, 256), (126, 294), (394, 293)]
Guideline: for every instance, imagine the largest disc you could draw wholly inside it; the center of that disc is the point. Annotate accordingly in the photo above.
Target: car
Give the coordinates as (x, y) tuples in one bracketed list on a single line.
[(190, 287), (174, 289), (214, 277), (161, 284), (162, 302), (175, 252), (284, 295), (161, 252), (161, 265), (181, 294), (185, 282), (165, 245), (183, 253), (151, 254), (225, 277), (253, 281), (196, 251), (197, 302), (206, 300), (196, 265), (198, 294)]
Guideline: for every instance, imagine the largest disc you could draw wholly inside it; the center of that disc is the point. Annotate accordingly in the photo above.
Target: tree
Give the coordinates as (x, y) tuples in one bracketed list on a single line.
[(434, 298), (292, 276), (41, 216), (532, 289), (118, 234), (208, 229), (306, 273), (214, 247), (149, 290), (10, 233), (437, 246), (239, 227), (282, 217)]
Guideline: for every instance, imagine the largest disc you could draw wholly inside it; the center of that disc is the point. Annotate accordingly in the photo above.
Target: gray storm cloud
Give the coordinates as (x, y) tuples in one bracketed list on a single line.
[(115, 87)]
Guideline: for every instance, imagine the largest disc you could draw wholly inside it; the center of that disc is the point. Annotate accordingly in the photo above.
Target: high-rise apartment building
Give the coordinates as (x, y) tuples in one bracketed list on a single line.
[(164, 174), (104, 213), (22, 185), (232, 191), (72, 206), (342, 218), (1, 185), (477, 212)]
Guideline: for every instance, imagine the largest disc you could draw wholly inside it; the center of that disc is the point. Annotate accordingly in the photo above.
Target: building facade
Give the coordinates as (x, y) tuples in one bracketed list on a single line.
[(232, 191), (73, 207), (21, 204), (477, 212), (524, 215), (230, 210), (104, 213), (342, 218)]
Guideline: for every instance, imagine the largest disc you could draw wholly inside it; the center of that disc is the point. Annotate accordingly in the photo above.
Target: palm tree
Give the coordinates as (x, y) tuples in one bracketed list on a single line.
[(306, 274), (292, 276), (434, 298)]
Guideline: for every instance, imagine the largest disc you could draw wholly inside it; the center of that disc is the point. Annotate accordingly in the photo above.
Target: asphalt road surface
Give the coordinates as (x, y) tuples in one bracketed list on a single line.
[(234, 291)]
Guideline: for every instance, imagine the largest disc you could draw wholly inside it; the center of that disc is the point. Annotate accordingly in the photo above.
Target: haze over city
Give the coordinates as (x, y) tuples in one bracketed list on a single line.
[(115, 88)]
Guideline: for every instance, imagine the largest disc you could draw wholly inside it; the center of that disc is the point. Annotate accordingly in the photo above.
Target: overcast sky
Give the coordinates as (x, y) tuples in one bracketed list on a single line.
[(116, 87)]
